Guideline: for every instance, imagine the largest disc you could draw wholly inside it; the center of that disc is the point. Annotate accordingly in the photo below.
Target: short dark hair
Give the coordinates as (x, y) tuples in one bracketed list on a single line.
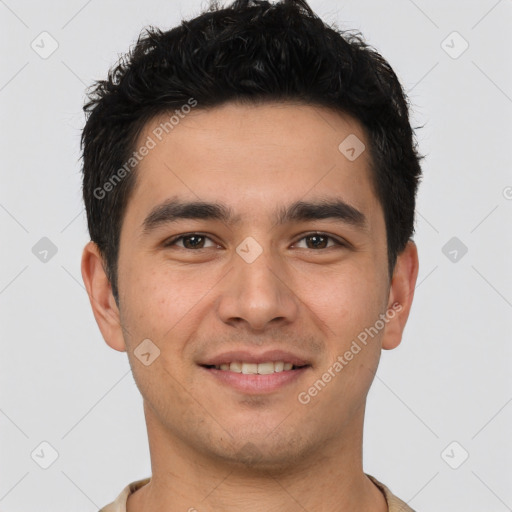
[(251, 52)]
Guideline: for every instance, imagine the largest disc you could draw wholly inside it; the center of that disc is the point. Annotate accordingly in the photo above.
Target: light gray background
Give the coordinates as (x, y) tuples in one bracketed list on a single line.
[(448, 381)]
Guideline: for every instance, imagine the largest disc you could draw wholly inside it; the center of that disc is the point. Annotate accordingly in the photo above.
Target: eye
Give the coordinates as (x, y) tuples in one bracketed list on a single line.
[(190, 241), (321, 241)]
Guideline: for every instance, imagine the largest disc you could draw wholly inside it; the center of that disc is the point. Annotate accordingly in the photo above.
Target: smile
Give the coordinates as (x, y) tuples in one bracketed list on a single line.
[(256, 378), (265, 368)]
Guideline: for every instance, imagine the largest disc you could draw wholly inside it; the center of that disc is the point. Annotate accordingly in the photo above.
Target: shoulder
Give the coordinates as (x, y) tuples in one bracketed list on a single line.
[(119, 504), (395, 504)]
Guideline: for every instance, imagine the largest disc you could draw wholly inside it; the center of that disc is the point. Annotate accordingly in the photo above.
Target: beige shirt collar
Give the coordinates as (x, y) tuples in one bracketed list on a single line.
[(119, 505)]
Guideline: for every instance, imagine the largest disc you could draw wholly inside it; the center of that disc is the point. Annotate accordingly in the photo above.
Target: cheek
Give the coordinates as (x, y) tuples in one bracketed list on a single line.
[(160, 306), (165, 304), (346, 307), (347, 302)]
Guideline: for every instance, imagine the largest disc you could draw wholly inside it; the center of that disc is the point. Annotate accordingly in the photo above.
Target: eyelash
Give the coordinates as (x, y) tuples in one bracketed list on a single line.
[(337, 242)]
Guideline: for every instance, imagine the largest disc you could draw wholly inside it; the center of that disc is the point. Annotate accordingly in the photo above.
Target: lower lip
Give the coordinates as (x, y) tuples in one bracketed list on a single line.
[(256, 384)]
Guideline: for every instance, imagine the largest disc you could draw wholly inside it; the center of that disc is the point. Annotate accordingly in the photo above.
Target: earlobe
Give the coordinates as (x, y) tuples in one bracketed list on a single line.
[(401, 292), (102, 301)]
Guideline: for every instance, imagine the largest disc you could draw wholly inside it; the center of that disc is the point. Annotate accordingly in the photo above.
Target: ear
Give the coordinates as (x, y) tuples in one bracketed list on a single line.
[(401, 293), (102, 301)]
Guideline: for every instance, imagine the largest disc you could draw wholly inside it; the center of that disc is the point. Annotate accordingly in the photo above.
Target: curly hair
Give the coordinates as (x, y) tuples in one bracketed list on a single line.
[(251, 52)]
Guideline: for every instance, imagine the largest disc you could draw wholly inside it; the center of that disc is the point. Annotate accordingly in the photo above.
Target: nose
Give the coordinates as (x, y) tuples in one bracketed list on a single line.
[(258, 294)]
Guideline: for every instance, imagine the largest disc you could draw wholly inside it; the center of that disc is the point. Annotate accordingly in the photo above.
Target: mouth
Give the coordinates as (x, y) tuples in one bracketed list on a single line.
[(264, 368), (255, 379), (255, 373)]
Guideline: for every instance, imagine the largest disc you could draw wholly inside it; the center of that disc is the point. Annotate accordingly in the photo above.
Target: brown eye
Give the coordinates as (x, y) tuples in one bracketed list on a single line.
[(317, 241), (320, 241), (191, 241)]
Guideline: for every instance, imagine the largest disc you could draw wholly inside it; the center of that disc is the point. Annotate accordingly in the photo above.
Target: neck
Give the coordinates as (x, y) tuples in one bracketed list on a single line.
[(330, 479)]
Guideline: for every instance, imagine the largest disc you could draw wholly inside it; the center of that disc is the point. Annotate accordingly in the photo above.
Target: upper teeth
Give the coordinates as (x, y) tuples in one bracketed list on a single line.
[(256, 368)]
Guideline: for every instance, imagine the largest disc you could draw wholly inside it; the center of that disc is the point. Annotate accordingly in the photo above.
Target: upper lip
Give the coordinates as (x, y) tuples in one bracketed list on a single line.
[(255, 358)]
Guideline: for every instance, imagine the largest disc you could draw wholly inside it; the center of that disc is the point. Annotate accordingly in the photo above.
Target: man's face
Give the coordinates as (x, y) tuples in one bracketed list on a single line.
[(266, 279)]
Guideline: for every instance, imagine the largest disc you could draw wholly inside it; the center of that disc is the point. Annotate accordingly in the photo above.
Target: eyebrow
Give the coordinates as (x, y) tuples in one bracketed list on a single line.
[(334, 209), (174, 210)]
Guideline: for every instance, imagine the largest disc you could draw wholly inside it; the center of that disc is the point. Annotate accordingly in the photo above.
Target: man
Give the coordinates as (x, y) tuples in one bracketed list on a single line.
[(250, 181)]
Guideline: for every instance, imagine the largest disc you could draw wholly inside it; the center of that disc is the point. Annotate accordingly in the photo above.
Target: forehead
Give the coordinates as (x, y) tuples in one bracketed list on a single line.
[(253, 158)]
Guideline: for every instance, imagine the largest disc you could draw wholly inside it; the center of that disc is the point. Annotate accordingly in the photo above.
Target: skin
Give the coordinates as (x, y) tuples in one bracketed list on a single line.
[(309, 299)]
